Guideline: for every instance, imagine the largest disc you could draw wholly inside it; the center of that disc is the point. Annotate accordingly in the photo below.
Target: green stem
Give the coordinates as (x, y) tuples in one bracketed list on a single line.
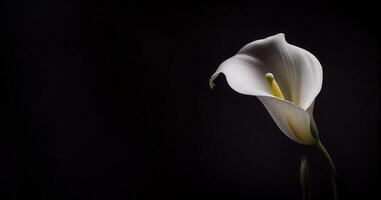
[(331, 167), (305, 178), (306, 194)]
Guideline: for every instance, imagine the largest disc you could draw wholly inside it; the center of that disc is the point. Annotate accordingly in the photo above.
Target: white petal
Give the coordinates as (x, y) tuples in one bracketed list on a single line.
[(292, 120), (310, 110), (298, 72), (244, 75)]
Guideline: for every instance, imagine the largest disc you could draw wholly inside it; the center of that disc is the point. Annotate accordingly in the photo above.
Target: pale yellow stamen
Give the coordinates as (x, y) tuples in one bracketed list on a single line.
[(274, 86)]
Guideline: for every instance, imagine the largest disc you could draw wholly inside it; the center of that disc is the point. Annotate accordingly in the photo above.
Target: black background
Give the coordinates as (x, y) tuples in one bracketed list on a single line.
[(111, 101)]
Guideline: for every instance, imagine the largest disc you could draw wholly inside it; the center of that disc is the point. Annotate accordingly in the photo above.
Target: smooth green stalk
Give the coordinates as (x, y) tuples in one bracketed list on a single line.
[(305, 178), (327, 158), (331, 167)]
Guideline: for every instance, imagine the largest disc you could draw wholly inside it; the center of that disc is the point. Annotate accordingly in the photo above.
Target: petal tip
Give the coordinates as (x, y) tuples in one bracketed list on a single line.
[(280, 37), (211, 84)]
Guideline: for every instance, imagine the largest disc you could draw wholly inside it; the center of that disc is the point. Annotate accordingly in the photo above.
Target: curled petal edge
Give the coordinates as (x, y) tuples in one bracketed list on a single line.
[(291, 119)]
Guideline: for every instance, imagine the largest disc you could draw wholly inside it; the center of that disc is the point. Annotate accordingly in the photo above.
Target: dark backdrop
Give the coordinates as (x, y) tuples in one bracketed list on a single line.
[(111, 101)]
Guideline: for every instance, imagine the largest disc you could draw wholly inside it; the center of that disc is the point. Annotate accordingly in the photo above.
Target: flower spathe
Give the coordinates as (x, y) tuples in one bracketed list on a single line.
[(297, 72)]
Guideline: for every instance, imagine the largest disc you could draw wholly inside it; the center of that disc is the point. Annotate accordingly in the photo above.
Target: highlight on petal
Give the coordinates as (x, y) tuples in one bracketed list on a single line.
[(310, 110), (244, 76), (298, 72), (292, 120)]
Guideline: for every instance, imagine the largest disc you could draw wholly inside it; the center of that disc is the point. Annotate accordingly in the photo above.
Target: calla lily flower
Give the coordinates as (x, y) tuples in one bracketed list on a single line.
[(284, 77)]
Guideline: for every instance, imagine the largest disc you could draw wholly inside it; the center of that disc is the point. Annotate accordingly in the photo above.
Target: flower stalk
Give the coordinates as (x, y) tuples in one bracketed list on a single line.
[(331, 166), (327, 158), (305, 178)]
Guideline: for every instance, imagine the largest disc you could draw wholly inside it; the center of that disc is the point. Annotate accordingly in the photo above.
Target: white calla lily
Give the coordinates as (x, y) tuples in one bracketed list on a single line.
[(297, 79)]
